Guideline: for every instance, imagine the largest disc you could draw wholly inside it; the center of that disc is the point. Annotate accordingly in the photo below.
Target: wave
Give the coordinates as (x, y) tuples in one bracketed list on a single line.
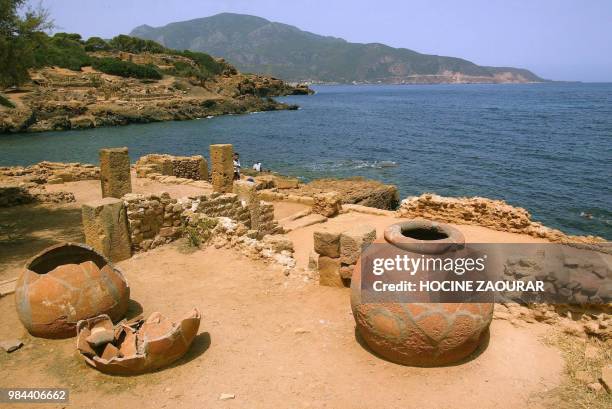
[(353, 164)]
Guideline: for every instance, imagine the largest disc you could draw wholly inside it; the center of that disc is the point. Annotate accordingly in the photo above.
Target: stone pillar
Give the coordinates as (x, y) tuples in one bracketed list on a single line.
[(222, 167), (106, 229), (115, 172)]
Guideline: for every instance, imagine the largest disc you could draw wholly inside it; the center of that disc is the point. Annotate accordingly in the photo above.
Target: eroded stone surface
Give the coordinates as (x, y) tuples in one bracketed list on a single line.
[(327, 204), (222, 167), (105, 228), (115, 175)]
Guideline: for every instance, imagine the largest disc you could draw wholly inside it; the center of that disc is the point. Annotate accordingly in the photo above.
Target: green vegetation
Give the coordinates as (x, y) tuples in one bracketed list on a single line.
[(24, 45), (115, 66), (21, 32), (255, 44), (4, 101), (62, 50), (96, 44)]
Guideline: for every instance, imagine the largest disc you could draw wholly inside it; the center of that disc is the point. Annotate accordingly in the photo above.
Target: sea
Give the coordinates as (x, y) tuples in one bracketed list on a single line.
[(545, 147)]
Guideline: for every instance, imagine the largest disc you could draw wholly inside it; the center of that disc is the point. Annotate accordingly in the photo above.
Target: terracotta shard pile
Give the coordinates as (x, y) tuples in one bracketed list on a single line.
[(67, 283), (136, 346)]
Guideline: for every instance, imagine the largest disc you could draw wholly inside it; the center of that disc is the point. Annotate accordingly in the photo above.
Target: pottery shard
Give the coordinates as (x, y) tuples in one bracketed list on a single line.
[(222, 167), (353, 241), (115, 175), (327, 243), (106, 229), (329, 272), (327, 204)]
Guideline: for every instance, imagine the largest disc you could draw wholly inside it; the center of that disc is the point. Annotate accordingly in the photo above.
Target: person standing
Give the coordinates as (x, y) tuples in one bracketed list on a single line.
[(257, 167), (236, 166)]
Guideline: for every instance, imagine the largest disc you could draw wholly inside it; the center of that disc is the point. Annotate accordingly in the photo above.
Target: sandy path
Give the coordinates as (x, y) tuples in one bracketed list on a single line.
[(275, 342)]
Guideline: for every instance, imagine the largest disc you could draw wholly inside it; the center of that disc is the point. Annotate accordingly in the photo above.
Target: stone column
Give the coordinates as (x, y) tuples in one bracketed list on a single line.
[(222, 167), (106, 229), (115, 174)]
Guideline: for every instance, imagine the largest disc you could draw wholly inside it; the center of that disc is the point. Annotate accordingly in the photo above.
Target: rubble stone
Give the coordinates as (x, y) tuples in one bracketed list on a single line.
[(327, 204)]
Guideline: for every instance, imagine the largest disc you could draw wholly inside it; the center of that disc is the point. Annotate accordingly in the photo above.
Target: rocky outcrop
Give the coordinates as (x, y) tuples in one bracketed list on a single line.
[(15, 195), (60, 99), (359, 191), (480, 211)]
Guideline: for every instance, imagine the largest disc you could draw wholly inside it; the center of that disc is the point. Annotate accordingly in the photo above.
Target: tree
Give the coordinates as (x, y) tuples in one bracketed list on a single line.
[(22, 30), (96, 44)]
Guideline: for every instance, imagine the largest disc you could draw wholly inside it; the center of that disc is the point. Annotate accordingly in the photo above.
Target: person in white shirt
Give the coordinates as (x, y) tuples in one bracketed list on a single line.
[(257, 167), (236, 166)]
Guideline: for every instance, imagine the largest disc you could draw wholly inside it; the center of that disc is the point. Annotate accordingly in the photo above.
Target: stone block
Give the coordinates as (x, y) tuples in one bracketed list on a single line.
[(327, 204), (329, 272), (327, 243), (105, 226), (222, 167), (278, 243), (346, 272), (286, 183), (353, 240), (115, 175)]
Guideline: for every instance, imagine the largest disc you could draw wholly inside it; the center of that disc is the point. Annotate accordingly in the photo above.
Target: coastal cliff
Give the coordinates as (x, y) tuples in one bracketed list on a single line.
[(113, 87)]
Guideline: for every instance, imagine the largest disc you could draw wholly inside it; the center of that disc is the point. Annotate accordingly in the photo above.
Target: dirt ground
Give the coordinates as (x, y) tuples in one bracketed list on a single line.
[(272, 341), (275, 342)]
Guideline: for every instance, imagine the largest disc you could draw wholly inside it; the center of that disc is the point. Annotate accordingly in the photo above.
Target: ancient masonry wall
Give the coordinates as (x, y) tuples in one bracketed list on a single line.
[(187, 167), (158, 219)]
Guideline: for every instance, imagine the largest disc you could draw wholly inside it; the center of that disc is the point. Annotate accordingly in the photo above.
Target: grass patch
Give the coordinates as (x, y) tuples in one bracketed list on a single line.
[(573, 391)]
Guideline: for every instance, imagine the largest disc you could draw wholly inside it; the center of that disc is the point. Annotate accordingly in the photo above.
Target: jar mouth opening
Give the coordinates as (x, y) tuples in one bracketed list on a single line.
[(64, 253), (431, 233)]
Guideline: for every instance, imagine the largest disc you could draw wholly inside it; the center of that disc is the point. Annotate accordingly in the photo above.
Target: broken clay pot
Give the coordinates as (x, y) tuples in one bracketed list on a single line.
[(138, 346), (67, 283)]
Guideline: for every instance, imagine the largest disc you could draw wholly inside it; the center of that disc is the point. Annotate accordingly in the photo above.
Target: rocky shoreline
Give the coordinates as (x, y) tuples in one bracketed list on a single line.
[(60, 99)]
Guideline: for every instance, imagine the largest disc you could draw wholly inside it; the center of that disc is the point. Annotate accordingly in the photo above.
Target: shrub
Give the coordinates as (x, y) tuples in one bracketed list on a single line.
[(135, 45), (115, 66), (96, 44), (62, 50), (4, 101)]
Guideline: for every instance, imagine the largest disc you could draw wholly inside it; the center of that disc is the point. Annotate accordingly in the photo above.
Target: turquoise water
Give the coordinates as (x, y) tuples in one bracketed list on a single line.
[(545, 147)]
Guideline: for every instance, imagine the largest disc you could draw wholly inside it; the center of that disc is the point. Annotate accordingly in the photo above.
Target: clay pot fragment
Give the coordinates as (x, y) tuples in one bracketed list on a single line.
[(67, 283), (138, 345)]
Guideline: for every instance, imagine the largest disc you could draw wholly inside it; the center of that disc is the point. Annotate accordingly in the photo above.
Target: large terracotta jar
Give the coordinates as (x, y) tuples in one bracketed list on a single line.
[(66, 283), (421, 332)]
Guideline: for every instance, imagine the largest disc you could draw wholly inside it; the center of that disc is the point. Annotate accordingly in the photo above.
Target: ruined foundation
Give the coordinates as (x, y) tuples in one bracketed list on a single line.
[(187, 167), (222, 167), (115, 175)]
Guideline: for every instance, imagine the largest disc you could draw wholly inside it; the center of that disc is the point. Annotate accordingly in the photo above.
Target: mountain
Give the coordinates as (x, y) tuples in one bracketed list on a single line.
[(254, 44)]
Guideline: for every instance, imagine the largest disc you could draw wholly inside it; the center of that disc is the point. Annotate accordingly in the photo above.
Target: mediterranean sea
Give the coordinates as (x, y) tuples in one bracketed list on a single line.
[(545, 147)]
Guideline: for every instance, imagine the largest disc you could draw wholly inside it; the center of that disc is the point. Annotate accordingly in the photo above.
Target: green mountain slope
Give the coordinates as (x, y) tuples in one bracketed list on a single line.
[(254, 44)]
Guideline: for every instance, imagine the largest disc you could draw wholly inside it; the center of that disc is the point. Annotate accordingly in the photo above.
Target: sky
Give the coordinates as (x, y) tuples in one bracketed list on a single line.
[(556, 39)]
